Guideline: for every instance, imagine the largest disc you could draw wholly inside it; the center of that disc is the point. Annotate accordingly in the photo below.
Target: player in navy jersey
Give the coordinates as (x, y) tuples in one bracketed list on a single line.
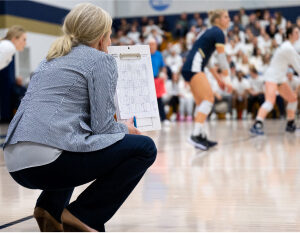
[(193, 72)]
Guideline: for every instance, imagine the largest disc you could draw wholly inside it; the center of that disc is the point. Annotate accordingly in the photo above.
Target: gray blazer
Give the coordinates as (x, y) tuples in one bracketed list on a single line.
[(69, 103)]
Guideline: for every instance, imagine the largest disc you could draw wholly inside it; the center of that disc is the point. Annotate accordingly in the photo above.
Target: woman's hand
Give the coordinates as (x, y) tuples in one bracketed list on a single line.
[(131, 128)]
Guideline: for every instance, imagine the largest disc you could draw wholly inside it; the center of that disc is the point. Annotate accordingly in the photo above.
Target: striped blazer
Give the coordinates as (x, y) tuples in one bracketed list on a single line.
[(69, 103)]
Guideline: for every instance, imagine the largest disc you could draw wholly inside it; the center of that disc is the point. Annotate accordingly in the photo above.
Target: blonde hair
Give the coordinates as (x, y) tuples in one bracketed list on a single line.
[(84, 24), (14, 32), (216, 14)]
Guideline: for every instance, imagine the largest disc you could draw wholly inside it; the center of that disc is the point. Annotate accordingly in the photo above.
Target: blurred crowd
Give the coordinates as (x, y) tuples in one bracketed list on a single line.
[(250, 43)]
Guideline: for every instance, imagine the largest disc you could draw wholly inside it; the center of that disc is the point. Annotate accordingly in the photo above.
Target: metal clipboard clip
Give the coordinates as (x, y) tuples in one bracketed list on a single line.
[(130, 56)]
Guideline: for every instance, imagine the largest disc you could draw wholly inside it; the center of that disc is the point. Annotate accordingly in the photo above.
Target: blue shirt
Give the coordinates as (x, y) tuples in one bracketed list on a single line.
[(205, 45), (157, 63)]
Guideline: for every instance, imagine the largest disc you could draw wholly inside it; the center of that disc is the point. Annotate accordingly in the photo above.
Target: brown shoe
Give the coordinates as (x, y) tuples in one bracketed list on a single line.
[(45, 221), (73, 224)]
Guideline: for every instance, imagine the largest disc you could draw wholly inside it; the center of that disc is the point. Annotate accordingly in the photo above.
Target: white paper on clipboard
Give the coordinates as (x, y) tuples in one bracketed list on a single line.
[(135, 94)]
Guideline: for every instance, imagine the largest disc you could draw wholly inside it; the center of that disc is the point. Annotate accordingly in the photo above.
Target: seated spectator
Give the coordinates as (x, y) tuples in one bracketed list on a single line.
[(186, 101), (264, 42), (253, 26), (152, 28), (200, 26), (266, 62), (181, 26), (223, 97), (160, 76), (266, 19), (190, 37), (240, 95), (174, 60), (162, 23), (279, 36), (294, 83), (123, 39), (293, 80), (280, 20), (125, 26), (243, 17), (256, 60), (243, 64), (236, 22), (194, 20), (271, 30), (172, 97), (156, 36), (134, 35), (256, 91)]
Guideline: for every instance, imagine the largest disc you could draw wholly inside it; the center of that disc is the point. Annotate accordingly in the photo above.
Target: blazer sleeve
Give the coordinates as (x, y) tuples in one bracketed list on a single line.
[(102, 87)]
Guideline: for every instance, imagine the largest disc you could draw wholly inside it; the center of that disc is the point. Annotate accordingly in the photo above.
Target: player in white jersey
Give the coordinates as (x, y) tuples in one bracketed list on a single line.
[(276, 81)]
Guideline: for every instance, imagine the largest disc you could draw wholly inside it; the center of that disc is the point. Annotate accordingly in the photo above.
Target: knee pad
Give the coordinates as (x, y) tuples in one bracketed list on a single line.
[(292, 106), (267, 106), (205, 107)]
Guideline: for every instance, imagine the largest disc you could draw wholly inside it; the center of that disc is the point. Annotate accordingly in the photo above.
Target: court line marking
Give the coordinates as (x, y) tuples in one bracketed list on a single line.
[(16, 222)]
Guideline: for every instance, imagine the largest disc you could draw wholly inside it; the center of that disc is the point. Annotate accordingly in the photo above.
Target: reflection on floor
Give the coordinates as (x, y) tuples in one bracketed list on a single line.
[(245, 184)]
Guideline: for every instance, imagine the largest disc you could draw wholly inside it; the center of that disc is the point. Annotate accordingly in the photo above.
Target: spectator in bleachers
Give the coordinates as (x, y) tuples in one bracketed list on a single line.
[(243, 17), (125, 26), (123, 39), (134, 35), (173, 94), (194, 20), (181, 27), (200, 26), (266, 62), (264, 42), (174, 60), (256, 90), (240, 95), (265, 21), (234, 46), (280, 20), (293, 81), (144, 21), (186, 101), (159, 73), (279, 36), (190, 37), (252, 25), (154, 34), (207, 22), (243, 64), (256, 60), (162, 23), (153, 31), (223, 97), (271, 30), (236, 22)]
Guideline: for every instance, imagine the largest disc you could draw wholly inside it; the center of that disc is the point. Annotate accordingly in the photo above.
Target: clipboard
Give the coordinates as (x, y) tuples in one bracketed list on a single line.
[(135, 94)]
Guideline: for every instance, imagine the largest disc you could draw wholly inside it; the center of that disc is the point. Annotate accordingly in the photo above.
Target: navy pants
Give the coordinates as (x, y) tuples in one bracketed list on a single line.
[(115, 171), (161, 109)]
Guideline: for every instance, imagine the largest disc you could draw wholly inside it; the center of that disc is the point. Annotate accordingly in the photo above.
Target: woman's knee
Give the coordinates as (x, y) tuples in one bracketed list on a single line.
[(147, 148)]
